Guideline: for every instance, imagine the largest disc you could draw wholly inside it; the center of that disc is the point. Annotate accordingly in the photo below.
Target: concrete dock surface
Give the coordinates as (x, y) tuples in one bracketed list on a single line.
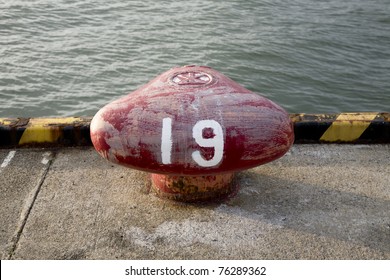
[(317, 202)]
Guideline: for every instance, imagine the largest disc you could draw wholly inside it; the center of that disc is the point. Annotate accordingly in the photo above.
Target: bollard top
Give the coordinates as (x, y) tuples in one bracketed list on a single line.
[(191, 120)]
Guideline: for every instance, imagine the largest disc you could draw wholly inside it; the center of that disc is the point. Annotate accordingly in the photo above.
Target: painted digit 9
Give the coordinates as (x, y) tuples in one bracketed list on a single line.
[(216, 142)]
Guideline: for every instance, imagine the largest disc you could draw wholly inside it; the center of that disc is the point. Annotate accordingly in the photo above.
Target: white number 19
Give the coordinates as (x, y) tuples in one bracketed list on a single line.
[(215, 142)]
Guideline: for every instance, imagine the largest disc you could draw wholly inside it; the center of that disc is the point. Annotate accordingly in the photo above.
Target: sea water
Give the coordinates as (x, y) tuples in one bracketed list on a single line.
[(69, 58)]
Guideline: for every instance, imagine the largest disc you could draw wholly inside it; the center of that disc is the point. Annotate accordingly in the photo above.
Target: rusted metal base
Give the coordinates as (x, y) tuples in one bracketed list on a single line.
[(195, 188)]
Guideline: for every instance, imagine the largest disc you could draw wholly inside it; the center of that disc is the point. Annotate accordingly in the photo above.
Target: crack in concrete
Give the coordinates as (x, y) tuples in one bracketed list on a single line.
[(47, 160)]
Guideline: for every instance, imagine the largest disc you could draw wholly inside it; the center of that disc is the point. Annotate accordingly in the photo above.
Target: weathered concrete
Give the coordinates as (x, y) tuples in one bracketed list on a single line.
[(317, 202), (21, 174)]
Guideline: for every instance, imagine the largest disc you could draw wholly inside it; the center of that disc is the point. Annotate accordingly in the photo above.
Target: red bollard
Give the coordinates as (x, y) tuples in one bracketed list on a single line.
[(193, 128)]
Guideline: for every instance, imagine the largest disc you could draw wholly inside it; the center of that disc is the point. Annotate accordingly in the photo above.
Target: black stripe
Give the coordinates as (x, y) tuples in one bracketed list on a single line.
[(75, 135), (377, 132), (10, 136), (309, 128), (309, 132)]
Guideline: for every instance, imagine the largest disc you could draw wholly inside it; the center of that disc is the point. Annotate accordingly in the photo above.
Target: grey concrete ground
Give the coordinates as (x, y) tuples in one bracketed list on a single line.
[(317, 202)]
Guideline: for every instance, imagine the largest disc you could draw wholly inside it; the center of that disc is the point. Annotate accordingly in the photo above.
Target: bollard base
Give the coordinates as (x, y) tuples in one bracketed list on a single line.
[(195, 188)]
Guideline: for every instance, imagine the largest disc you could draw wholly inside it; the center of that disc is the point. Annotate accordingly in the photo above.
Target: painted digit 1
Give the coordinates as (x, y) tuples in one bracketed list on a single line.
[(197, 133), (166, 141)]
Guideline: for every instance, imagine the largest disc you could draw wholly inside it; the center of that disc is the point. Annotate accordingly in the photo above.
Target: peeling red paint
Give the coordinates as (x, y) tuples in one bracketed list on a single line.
[(195, 188), (129, 131)]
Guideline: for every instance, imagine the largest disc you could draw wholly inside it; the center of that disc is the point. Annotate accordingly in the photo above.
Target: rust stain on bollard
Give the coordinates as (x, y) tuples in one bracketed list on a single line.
[(194, 188), (195, 127)]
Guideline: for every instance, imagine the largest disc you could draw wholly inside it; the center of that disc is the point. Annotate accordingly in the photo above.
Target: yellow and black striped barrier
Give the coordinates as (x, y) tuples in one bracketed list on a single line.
[(356, 128), (352, 128), (46, 132)]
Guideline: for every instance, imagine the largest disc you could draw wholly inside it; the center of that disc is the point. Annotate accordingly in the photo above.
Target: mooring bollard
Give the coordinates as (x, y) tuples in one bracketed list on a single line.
[(192, 128)]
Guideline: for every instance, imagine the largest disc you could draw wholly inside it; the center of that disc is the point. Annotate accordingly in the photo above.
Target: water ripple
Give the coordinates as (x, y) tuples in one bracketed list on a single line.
[(68, 58)]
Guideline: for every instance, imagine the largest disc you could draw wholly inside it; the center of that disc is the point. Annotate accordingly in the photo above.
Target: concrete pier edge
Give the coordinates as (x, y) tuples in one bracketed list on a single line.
[(317, 202), (348, 128)]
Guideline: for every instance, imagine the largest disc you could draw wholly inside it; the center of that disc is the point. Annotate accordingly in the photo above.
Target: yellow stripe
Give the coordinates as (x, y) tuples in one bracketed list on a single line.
[(45, 130), (5, 122), (348, 127)]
